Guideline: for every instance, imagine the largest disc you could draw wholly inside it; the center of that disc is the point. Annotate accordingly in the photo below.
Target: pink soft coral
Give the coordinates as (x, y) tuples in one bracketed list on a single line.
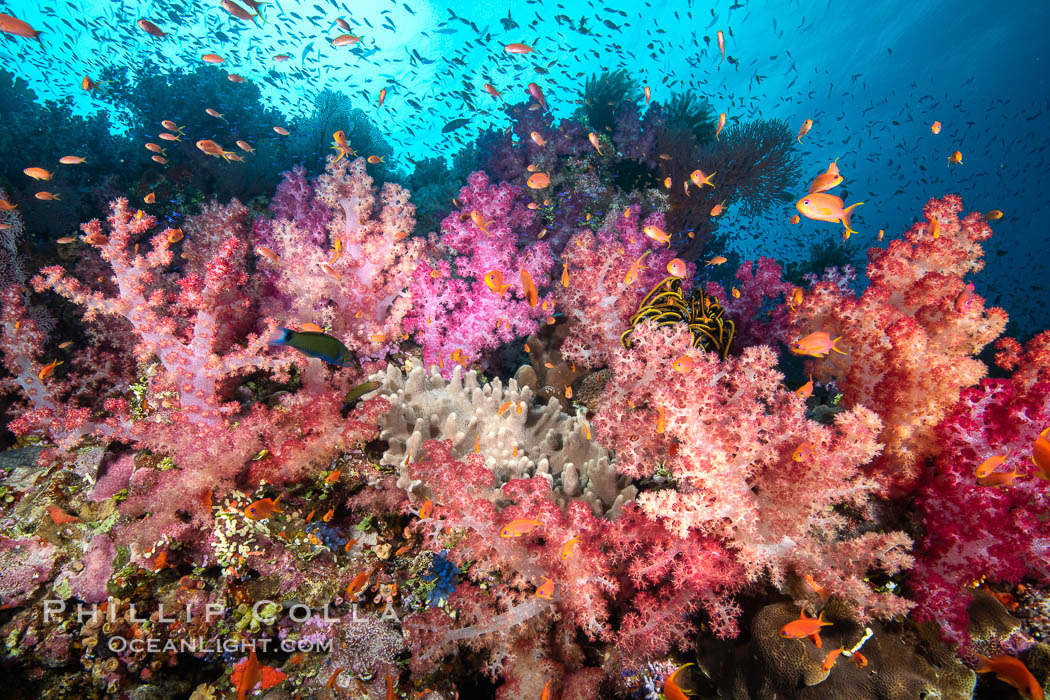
[(973, 532), (748, 468), (910, 348), (453, 307), (609, 273), (760, 284), (354, 281)]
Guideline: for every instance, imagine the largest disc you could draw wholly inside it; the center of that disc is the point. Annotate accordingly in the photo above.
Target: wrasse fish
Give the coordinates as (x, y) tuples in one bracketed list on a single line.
[(519, 527), (263, 508), (313, 344), (820, 206), (805, 627), (816, 344), (804, 129)]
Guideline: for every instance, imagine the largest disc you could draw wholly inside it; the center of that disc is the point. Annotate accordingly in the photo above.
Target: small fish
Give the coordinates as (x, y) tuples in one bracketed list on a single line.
[(360, 390), (159, 159), (494, 281), (546, 589), (313, 344), (934, 227), (657, 234), (546, 693), (537, 92), (518, 48), (211, 148), (593, 138), (881, 234), (717, 260), (816, 344), (677, 268), (529, 288), (999, 478), (802, 452), (491, 89), (538, 181), (213, 58), (281, 57), (281, 130), (956, 158), (821, 206), (718, 209), (150, 198), (806, 390), (1013, 672), (37, 173), (721, 124), (263, 508), (426, 509), (830, 659), (327, 517), (172, 126), (267, 253), (935, 127), (684, 364), (156, 148), (635, 268), (165, 136), (569, 547), (805, 627), (804, 129), (358, 583), (17, 27), (647, 94), (454, 124), (150, 28), (668, 182), (345, 40), (519, 527), (828, 179), (965, 298), (211, 112), (735, 293), (382, 97), (699, 179), (233, 78), (74, 160), (47, 196), (993, 215), (375, 160), (721, 43), (660, 420), (333, 477)]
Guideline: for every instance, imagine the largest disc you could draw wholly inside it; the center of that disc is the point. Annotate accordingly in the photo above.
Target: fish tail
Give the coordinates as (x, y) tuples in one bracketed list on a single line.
[(847, 213), (835, 348)]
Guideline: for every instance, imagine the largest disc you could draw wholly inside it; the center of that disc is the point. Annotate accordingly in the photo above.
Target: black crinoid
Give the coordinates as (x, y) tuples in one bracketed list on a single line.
[(665, 305), (604, 96)]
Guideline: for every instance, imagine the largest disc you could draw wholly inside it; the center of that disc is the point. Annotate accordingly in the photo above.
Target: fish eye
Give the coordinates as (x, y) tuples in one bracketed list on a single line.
[(805, 201)]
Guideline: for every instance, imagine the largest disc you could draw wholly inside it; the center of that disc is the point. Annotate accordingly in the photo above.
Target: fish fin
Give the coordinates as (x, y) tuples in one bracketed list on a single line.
[(835, 348), (847, 213), (816, 639)]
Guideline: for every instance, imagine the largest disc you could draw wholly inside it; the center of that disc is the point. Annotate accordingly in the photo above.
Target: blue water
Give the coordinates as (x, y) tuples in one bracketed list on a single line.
[(872, 76)]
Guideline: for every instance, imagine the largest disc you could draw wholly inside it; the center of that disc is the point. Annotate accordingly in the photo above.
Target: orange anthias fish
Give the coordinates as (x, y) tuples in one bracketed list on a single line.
[(150, 28), (213, 58), (518, 48), (965, 298), (494, 281), (71, 160), (993, 215), (1000, 478), (989, 465), (805, 627), (529, 288), (718, 209), (648, 94), (657, 234), (806, 390), (635, 268), (802, 452), (935, 127), (426, 509), (250, 675), (538, 181), (1012, 671), (721, 124), (37, 173), (671, 689), (717, 260), (593, 138), (48, 369), (212, 113), (1041, 454), (721, 43), (804, 129), (213, 149), (358, 583), (382, 96), (831, 658), (699, 179), (537, 92), (17, 27), (538, 139), (491, 89), (341, 145), (345, 40), (281, 130), (519, 527), (263, 508), (826, 180), (569, 547), (546, 589), (956, 158), (546, 694), (479, 221), (795, 219), (821, 206), (816, 344), (677, 267)]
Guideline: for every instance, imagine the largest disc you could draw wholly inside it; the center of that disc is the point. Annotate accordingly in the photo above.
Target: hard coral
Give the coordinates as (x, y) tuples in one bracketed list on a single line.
[(909, 340)]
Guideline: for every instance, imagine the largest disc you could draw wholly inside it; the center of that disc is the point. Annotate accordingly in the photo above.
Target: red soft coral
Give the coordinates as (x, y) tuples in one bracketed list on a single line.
[(910, 347), (972, 531)]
